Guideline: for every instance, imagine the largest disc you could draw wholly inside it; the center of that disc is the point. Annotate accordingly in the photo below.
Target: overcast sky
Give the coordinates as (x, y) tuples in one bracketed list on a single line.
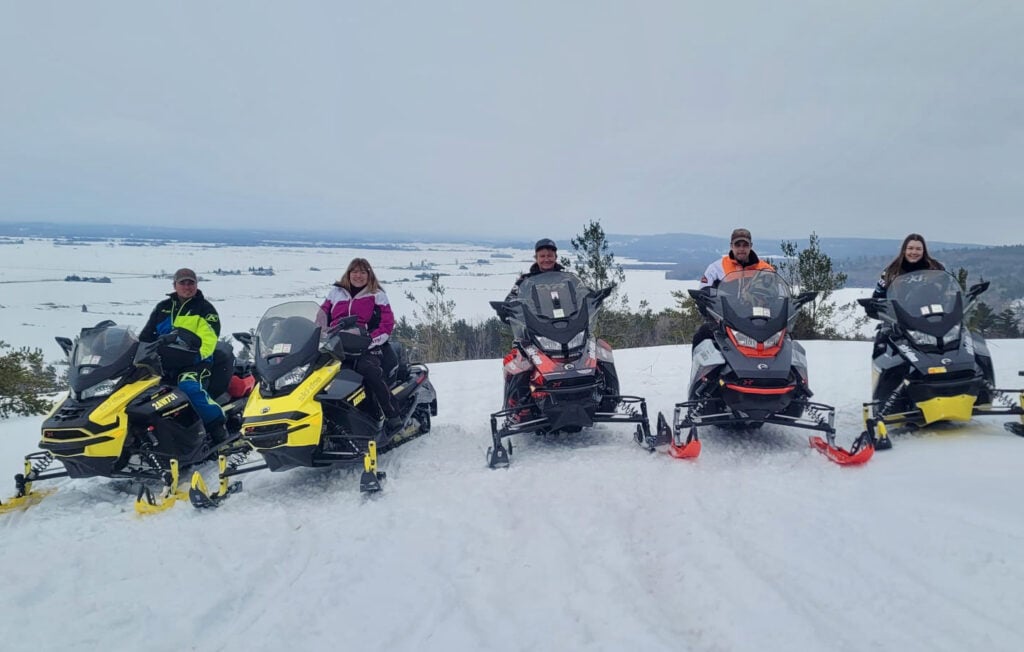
[(850, 118)]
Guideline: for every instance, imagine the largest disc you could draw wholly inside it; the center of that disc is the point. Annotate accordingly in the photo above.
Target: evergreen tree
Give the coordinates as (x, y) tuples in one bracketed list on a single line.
[(810, 270), (594, 262), (23, 379)]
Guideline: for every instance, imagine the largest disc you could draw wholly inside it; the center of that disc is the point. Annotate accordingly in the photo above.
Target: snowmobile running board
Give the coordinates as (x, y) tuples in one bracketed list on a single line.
[(690, 447), (499, 457), (369, 481)]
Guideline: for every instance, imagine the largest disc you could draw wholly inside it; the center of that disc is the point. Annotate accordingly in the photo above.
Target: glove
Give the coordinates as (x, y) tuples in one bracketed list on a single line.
[(378, 341)]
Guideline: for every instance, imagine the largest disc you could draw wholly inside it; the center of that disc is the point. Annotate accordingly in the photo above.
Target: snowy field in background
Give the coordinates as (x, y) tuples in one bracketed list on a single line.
[(34, 298)]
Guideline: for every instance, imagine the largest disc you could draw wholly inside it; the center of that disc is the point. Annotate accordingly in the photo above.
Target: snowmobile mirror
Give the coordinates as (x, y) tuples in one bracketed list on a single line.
[(804, 298), (65, 343), (500, 308), (603, 293), (976, 290), (244, 338), (106, 323), (870, 305)]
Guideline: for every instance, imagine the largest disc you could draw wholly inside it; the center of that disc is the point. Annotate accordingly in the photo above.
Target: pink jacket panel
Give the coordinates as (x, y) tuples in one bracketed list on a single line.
[(339, 303)]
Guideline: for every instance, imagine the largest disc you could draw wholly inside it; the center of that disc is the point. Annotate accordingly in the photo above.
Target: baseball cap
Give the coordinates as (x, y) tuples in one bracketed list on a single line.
[(545, 243), (740, 234), (184, 274)]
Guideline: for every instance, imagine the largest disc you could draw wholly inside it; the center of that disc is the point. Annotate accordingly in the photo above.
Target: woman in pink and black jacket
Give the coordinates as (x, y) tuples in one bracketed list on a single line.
[(358, 292)]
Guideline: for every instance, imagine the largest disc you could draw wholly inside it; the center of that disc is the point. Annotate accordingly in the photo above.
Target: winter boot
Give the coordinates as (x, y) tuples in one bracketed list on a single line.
[(217, 431)]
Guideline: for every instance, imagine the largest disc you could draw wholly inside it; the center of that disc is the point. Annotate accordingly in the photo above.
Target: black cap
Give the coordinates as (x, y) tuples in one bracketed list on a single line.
[(545, 243)]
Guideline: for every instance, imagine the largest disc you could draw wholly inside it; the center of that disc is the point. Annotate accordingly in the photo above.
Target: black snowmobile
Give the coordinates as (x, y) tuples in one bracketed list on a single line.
[(311, 410), (559, 377), (926, 365), (121, 419), (751, 371)]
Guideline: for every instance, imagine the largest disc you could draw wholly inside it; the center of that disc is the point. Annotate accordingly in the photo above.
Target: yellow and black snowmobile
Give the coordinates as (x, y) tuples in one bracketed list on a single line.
[(121, 420), (310, 409), (927, 367)]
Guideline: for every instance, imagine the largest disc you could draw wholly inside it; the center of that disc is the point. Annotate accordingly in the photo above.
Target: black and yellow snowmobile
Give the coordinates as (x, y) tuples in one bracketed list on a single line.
[(927, 366), (120, 419), (311, 410)]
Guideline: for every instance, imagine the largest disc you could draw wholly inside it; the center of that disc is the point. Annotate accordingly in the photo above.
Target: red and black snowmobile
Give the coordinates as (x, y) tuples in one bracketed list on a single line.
[(750, 371), (559, 378)]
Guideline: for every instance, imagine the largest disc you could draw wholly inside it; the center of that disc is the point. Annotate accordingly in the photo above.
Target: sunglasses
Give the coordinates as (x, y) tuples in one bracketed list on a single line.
[(741, 243), (186, 281)]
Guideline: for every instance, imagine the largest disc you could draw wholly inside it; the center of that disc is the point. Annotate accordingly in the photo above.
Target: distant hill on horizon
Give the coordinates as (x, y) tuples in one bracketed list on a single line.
[(663, 247)]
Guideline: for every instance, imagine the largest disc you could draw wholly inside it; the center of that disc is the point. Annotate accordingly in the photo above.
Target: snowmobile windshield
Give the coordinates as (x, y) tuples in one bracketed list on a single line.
[(756, 304), (101, 353), (554, 309), (760, 294), (288, 336), (929, 301)]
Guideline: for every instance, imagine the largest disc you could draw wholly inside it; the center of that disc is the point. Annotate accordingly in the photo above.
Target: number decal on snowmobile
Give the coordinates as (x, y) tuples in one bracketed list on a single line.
[(162, 402)]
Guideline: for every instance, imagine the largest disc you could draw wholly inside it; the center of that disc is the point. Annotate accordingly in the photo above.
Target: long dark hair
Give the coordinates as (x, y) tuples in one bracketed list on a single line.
[(372, 284), (895, 268)]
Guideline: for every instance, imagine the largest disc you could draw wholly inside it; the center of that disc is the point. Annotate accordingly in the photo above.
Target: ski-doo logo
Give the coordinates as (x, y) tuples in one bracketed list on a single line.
[(908, 352), (762, 366), (569, 366), (947, 361)]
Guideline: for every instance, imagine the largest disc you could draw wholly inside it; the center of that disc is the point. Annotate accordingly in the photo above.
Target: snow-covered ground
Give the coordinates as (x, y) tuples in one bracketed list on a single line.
[(585, 542)]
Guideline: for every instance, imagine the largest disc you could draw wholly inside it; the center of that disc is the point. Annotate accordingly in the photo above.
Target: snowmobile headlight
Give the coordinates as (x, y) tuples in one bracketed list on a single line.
[(547, 344), (577, 341), (952, 335), (101, 389), (293, 377), (744, 340), (921, 339), (774, 340)]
